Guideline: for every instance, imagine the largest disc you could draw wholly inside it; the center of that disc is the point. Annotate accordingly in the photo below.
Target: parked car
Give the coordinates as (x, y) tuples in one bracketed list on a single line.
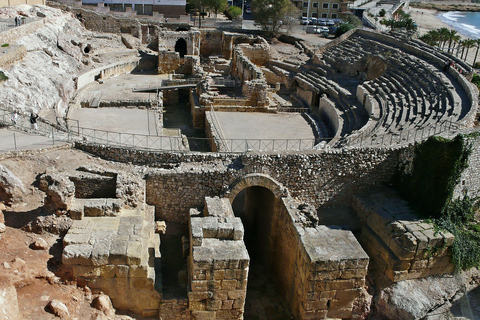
[(330, 23), (313, 21), (322, 23), (304, 20)]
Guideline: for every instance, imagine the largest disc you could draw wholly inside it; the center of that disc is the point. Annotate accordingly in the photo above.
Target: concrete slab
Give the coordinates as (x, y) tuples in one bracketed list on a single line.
[(255, 125)]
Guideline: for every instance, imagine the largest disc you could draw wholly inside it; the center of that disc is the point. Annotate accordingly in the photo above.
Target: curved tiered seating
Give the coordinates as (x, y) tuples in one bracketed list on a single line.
[(411, 94)]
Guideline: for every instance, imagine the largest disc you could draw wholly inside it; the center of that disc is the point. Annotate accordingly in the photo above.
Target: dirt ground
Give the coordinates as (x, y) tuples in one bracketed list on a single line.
[(34, 276)]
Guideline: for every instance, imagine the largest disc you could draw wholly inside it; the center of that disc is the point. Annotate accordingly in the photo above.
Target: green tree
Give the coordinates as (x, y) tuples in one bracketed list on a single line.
[(452, 37), (353, 20), (271, 15), (476, 53), (404, 20), (467, 44), (344, 27), (382, 13), (216, 5), (235, 12)]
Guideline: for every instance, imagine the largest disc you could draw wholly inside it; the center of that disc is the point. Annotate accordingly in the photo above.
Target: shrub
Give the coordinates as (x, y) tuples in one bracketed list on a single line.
[(382, 13), (5, 45), (344, 27), (235, 12), (3, 77)]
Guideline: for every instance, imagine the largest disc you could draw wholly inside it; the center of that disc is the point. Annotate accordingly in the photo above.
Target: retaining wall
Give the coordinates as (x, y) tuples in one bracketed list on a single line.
[(317, 177)]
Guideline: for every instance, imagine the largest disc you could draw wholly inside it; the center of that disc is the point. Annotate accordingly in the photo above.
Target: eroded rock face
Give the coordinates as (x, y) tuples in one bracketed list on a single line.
[(52, 224), (375, 66), (10, 185), (8, 302), (413, 299), (59, 189)]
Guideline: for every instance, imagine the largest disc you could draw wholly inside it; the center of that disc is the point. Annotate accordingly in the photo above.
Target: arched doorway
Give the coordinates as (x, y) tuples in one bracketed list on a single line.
[(181, 47), (256, 206)]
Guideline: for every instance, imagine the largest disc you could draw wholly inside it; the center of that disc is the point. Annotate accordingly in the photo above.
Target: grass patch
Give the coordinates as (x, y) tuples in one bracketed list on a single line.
[(5, 45)]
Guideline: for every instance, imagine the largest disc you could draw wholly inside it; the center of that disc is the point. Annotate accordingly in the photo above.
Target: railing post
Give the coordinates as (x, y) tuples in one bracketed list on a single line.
[(15, 141), (53, 136)]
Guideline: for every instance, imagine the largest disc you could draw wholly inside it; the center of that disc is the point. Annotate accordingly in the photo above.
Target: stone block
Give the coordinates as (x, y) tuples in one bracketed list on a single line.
[(76, 210), (230, 314), (220, 264), (79, 254), (204, 315), (199, 285), (135, 253), (101, 252), (118, 251), (434, 239), (77, 238), (210, 227), (214, 305), (121, 271), (321, 304), (214, 285), (199, 295), (219, 274), (220, 295), (229, 284), (86, 271), (354, 273), (227, 304), (239, 304), (236, 294), (225, 231), (197, 305), (94, 207), (422, 240), (340, 284), (348, 295), (112, 207)]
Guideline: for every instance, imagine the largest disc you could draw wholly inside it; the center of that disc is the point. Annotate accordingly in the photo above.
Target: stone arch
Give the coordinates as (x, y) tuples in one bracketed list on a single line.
[(181, 47), (256, 180)]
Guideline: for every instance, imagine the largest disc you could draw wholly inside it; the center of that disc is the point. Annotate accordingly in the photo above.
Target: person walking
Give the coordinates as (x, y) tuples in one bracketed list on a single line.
[(14, 117), (33, 120)]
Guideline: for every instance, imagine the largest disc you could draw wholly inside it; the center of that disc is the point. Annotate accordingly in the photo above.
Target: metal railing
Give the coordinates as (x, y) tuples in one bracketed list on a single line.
[(74, 132), (7, 24)]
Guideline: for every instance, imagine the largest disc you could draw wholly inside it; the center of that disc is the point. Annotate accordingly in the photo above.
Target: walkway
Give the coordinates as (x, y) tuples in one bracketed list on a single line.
[(15, 140)]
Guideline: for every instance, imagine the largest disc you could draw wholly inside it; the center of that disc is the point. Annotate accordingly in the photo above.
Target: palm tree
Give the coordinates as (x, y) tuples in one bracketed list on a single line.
[(468, 44), (476, 53), (444, 36), (451, 36)]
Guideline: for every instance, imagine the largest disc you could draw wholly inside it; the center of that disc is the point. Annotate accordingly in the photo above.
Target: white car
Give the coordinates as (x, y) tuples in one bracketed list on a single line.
[(304, 20)]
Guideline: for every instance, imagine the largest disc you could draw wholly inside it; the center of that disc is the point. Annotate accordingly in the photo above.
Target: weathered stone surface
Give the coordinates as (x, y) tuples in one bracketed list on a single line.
[(50, 223), (58, 308), (413, 299), (3, 228), (160, 227), (79, 254), (104, 304), (40, 244), (10, 185), (8, 302)]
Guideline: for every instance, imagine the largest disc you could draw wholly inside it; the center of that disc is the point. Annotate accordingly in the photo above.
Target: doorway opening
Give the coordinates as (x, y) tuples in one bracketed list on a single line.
[(181, 47), (256, 207)]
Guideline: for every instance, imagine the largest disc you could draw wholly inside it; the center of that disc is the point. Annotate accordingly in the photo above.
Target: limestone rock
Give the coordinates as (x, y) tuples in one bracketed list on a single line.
[(59, 189), (361, 306), (375, 66), (8, 302), (160, 227), (104, 304), (40, 244), (3, 228), (51, 223), (58, 308), (10, 185), (413, 299)]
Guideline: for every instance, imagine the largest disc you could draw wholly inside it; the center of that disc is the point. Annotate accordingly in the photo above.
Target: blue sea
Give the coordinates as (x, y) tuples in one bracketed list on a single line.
[(466, 23)]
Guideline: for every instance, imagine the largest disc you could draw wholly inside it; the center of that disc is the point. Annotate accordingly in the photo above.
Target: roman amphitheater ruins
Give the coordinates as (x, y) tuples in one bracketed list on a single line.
[(258, 176)]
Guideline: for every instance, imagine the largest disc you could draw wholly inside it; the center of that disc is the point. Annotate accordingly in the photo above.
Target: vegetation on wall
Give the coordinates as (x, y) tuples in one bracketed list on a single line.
[(437, 167)]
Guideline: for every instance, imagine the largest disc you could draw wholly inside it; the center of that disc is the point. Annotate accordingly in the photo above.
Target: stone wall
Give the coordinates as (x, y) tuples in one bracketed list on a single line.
[(168, 39), (242, 68), (106, 72), (11, 55), (470, 179), (12, 35), (218, 263), (319, 177), (211, 42), (258, 54), (400, 245)]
